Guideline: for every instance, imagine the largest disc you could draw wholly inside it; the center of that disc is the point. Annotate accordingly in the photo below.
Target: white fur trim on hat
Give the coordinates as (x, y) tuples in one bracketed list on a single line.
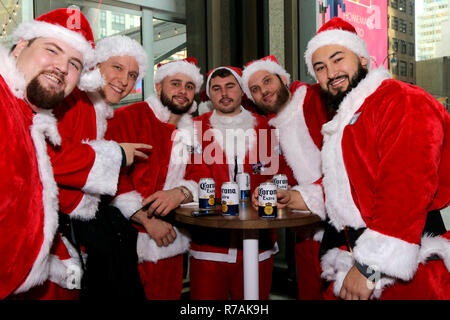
[(119, 45), (267, 65), (38, 29), (91, 81), (238, 78), (174, 67), (339, 37)]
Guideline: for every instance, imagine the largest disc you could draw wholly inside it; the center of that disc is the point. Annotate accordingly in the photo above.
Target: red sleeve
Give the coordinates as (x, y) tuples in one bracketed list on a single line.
[(81, 161)]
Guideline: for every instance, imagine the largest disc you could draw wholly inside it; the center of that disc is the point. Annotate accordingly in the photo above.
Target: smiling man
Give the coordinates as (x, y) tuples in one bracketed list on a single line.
[(53, 76), (386, 170), (164, 121), (298, 112), (216, 264), (44, 66), (85, 165)]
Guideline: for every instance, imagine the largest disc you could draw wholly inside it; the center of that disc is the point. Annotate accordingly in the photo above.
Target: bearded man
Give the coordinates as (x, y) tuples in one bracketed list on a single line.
[(163, 121), (43, 67), (298, 112), (386, 160)]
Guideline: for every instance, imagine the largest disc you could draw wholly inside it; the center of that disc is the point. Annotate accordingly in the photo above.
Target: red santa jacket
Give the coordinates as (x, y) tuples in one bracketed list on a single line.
[(223, 245), (85, 166), (163, 170), (299, 125), (386, 160), (28, 197)]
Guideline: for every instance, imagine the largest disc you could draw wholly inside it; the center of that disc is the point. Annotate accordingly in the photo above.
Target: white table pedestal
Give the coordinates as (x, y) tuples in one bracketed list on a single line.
[(251, 265)]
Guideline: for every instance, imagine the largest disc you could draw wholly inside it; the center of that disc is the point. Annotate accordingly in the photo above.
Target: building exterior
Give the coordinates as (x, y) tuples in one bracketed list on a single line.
[(432, 75), (401, 37), (433, 34)]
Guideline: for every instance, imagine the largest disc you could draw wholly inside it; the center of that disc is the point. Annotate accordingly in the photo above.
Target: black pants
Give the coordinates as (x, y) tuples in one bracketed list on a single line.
[(111, 267)]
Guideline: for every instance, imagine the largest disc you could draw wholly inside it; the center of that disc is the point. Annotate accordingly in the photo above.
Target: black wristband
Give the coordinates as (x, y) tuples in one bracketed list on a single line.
[(124, 158), (367, 272)]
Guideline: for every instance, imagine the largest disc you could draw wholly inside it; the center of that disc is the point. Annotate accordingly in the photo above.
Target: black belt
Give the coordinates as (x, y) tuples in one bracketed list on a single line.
[(332, 238), (65, 227)]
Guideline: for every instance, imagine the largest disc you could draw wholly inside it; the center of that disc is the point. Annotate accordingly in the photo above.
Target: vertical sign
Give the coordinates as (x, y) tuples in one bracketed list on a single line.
[(369, 17)]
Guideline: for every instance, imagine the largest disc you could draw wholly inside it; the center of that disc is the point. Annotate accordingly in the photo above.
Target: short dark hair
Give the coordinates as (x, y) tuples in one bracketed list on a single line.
[(15, 45), (222, 73)]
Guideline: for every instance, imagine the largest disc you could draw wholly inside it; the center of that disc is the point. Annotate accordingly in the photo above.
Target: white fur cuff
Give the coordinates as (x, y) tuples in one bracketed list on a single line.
[(148, 250), (104, 174), (312, 194), (87, 207), (335, 265), (391, 256), (439, 246), (192, 186), (128, 203)]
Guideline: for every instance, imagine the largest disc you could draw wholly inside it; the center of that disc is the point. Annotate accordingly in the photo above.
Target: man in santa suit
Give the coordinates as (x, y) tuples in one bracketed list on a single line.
[(386, 160), (298, 113), (216, 264), (44, 66), (85, 165), (163, 121)]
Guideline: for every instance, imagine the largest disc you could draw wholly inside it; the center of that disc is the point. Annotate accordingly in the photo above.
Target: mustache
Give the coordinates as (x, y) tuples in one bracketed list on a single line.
[(173, 107), (225, 98), (336, 78), (57, 74)]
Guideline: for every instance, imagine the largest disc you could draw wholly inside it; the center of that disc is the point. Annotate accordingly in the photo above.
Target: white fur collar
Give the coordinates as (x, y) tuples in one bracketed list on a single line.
[(13, 77), (339, 201), (239, 126), (103, 112), (297, 145), (353, 101), (44, 126), (162, 112)]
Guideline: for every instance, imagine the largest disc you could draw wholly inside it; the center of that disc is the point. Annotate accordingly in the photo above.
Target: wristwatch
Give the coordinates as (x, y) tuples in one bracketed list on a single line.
[(185, 192)]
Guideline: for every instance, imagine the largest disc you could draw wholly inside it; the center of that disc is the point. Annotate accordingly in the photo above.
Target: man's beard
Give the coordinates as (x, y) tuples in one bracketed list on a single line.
[(282, 97), (333, 101), (41, 97), (173, 107)]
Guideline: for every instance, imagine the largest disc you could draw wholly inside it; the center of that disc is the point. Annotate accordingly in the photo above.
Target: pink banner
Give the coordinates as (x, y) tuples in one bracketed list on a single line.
[(369, 17)]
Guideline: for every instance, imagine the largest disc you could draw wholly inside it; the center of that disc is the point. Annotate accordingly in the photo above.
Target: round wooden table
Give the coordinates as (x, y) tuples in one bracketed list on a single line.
[(248, 221)]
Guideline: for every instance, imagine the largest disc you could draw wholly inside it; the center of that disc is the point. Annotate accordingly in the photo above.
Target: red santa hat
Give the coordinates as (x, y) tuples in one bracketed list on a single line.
[(336, 32), (187, 66), (270, 64), (68, 25), (119, 45), (236, 72)]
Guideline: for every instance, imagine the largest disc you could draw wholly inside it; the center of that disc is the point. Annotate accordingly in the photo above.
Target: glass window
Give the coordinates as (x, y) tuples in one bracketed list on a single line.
[(411, 50), (395, 23), (394, 69), (169, 41), (411, 8), (402, 26), (403, 46), (12, 13), (403, 69), (411, 70), (395, 45), (394, 4)]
